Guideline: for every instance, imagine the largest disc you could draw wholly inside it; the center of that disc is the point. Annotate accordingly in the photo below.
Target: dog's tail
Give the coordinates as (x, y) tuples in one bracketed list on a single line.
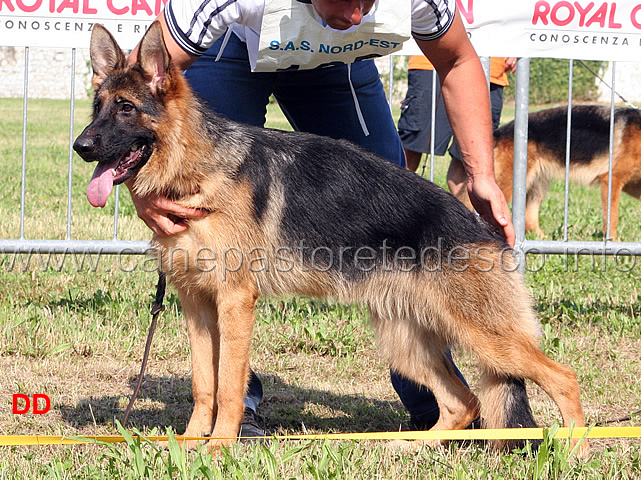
[(505, 405)]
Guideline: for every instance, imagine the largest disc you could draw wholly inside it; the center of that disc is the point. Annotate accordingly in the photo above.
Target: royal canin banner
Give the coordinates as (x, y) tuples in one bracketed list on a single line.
[(586, 30), (68, 23), (589, 30)]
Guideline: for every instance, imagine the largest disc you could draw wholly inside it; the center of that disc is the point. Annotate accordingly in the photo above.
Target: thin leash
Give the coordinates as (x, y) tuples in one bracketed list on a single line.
[(626, 418), (156, 308), (629, 104)]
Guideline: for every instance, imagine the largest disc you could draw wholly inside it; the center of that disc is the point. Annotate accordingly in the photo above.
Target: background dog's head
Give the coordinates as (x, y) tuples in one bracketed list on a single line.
[(126, 110)]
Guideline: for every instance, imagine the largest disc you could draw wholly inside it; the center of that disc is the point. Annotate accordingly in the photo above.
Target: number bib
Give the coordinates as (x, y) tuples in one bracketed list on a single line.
[(291, 37)]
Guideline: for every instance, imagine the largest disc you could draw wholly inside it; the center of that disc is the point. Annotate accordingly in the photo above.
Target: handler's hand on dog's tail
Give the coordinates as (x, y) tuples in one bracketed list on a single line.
[(488, 200), (163, 216)]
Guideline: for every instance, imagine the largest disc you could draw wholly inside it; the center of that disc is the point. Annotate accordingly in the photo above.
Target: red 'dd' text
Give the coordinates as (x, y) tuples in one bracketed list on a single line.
[(22, 403)]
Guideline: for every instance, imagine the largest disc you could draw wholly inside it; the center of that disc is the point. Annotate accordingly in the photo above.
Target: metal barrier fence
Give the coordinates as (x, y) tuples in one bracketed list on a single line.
[(68, 245), (523, 246), (565, 246), (541, 247)]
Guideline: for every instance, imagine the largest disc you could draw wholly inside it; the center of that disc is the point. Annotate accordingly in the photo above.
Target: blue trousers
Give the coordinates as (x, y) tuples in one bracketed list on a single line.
[(316, 101)]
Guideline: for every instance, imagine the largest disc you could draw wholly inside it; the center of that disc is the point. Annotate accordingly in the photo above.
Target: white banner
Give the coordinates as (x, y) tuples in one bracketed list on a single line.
[(585, 29), (68, 23), (580, 29)]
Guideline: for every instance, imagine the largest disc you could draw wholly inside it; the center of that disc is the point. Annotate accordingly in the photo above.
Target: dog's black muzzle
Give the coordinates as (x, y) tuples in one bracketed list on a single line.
[(86, 146)]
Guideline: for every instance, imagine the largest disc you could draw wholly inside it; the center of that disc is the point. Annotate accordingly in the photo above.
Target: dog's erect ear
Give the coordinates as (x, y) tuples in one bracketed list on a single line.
[(106, 55), (154, 58)]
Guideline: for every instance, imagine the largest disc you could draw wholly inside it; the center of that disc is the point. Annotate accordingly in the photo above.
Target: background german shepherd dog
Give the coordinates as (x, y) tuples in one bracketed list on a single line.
[(293, 213), (589, 156)]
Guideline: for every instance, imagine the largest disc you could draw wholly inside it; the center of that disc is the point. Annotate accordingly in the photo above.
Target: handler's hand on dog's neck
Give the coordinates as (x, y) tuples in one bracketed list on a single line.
[(161, 215)]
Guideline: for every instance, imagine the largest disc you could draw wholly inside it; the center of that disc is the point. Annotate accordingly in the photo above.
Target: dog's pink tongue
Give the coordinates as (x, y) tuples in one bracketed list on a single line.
[(101, 184)]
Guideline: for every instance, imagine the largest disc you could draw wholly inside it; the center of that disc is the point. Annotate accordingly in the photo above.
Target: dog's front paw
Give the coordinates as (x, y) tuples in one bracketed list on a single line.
[(215, 445), (183, 441), (410, 446)]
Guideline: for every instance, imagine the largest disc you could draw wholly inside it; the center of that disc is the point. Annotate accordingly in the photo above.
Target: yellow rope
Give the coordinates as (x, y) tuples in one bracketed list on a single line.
[(478, 434)]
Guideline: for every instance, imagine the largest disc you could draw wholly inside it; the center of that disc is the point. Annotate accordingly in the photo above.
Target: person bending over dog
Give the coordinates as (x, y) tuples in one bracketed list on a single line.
[(315, 57)]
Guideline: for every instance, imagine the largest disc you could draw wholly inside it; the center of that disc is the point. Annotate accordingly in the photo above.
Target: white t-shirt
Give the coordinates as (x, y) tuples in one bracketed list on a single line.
[(196, 24)]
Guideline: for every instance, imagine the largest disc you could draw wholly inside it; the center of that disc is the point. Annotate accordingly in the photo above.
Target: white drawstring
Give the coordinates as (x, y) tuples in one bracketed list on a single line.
[(361, 119), (224, 44)]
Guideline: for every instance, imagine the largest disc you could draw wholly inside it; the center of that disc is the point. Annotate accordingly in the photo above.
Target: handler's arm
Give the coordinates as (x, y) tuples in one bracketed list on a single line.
[(467, 103), (160, 214)]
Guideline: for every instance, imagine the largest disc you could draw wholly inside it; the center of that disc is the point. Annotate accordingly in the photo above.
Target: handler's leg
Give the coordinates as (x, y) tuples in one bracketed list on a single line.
[(228, 85), (322, 102), (418, 400)]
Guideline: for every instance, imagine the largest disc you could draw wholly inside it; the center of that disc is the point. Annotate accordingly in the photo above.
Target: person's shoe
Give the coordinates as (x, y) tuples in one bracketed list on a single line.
[(422, 422), (250, 427), (475, 425)]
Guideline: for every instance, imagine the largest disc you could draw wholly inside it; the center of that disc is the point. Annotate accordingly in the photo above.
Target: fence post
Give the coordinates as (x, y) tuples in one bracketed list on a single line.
[(520, 155), (23, 181)]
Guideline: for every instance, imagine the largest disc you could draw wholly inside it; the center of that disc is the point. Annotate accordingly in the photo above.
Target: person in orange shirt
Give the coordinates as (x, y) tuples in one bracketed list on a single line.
[(414, 125)]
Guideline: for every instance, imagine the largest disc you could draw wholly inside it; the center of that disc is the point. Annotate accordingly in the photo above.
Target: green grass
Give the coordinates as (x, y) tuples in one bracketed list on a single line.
[(77, 334)]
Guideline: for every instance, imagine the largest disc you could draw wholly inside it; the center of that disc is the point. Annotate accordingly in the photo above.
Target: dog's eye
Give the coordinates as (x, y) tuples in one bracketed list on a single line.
[(127, 107)]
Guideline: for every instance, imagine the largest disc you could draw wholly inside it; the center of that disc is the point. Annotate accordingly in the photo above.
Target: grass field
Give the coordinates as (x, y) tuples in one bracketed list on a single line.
[(74, 328)]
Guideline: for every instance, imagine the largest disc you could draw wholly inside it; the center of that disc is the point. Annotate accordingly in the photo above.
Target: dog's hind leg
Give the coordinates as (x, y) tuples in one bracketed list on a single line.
[(504, 403), (537, 189), (617, 186), (493, 318), (511, 353), (419, 354), (458, 406)]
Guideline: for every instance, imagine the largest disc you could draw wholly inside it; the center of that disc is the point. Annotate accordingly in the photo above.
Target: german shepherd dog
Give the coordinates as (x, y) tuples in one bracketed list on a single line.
[(589, 157), (294, 213)]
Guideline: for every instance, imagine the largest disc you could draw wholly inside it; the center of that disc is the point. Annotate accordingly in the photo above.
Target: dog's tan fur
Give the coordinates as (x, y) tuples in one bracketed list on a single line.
[(417, 315)]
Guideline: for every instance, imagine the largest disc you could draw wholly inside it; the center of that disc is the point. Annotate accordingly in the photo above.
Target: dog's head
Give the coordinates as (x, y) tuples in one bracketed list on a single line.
[(126, 109)]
